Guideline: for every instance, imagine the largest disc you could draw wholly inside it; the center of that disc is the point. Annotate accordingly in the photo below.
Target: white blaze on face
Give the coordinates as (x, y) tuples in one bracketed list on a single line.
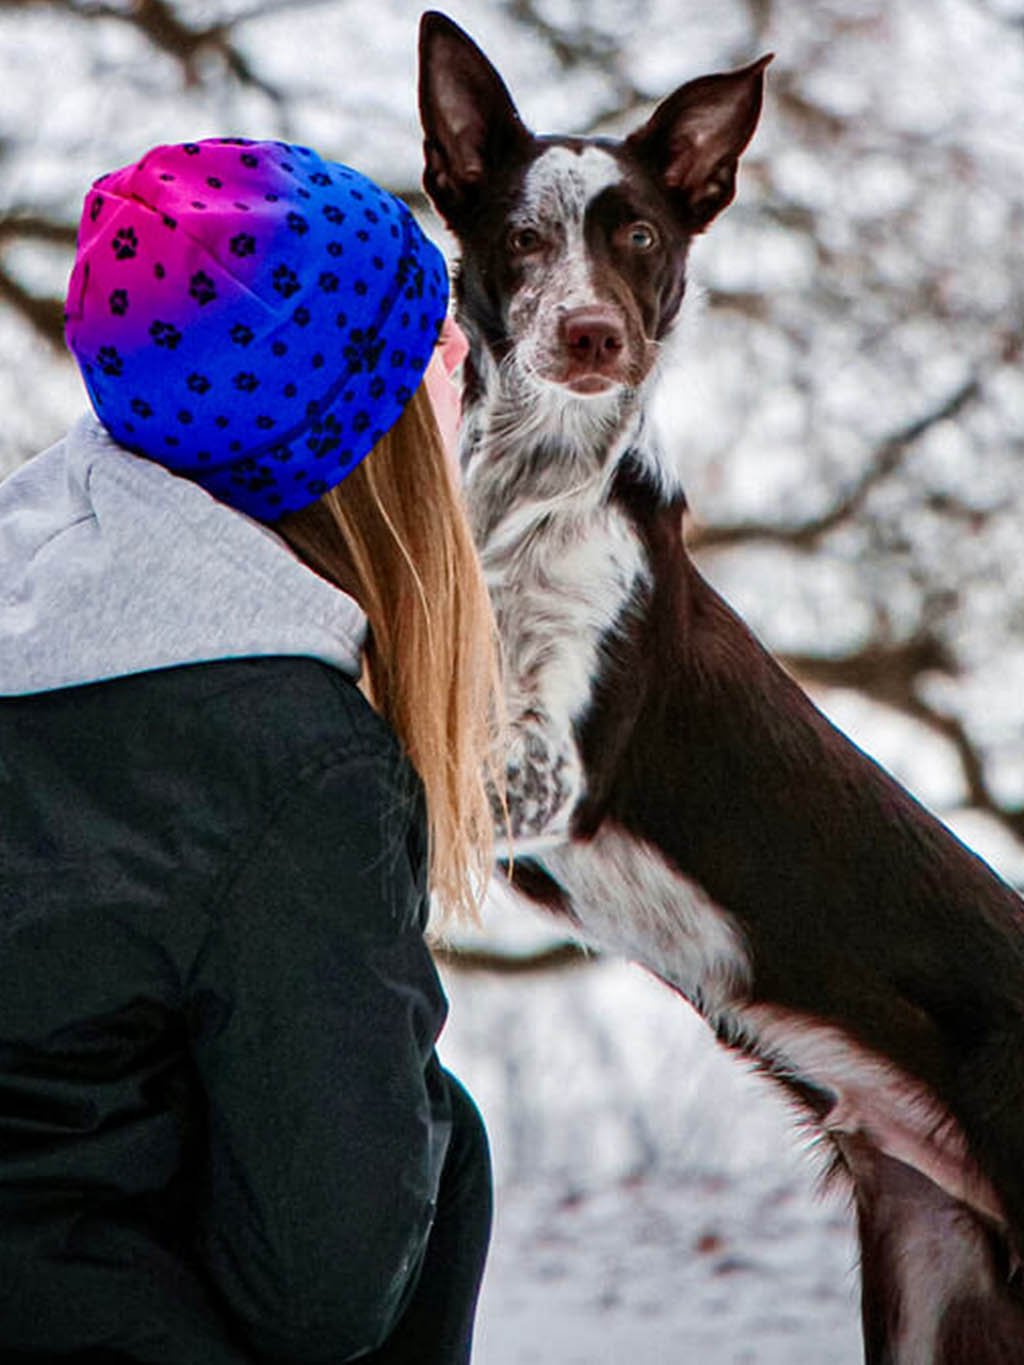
[(558, 189), (562, 182)]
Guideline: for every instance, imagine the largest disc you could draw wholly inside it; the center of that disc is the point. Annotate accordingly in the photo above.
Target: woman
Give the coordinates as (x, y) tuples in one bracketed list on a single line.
[(224, 1132)]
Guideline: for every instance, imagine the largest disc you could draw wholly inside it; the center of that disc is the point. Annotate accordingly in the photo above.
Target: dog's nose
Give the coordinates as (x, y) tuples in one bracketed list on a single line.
[(593, 336)]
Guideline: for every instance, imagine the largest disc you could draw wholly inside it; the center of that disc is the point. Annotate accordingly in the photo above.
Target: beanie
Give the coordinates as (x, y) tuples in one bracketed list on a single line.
[(251, 317)]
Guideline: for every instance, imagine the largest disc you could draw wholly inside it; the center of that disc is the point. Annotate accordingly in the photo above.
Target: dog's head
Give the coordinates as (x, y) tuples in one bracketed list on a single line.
[(574, 249)]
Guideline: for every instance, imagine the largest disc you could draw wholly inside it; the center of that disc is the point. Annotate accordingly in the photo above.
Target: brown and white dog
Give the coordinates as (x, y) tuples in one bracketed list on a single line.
[(673, 793)]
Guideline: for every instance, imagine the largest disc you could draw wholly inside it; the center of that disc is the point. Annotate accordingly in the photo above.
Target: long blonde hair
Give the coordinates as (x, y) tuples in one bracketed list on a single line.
[(394, 535)]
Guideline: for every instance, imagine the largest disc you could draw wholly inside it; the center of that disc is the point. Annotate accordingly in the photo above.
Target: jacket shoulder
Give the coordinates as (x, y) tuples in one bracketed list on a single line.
[(279, 708), (178, 774)]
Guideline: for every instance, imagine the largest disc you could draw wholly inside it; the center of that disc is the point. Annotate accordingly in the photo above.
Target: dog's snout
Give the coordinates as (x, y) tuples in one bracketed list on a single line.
[(593, 336)]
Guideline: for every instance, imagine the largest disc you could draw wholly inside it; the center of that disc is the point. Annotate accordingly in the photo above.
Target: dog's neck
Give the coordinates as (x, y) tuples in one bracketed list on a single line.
[(534, 456)]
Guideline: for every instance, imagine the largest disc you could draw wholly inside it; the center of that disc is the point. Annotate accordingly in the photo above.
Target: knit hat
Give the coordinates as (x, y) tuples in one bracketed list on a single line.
[(250, 316)]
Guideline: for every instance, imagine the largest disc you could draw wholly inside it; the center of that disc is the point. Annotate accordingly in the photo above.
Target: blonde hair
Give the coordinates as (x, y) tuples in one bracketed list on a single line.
[(394, 534)]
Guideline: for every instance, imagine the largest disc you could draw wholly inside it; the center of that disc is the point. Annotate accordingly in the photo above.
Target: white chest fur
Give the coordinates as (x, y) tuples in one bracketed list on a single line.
[(562, 565), (558, 591)]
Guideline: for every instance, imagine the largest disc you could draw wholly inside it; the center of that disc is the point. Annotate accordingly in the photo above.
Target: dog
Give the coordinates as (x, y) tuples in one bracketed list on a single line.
[(672, 793)]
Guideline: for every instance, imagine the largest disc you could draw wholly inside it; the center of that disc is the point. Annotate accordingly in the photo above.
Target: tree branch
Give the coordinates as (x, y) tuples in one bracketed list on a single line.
[(45, 315), (19, 224), (805, 535), (160, 24), (555, 959), (891, 674)]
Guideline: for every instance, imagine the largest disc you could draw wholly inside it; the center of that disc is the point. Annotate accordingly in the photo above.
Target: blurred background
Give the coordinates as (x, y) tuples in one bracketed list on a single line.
[(849, 404)]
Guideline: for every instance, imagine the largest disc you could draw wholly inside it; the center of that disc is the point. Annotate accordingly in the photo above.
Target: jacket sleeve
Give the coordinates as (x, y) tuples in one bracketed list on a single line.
[(316, 1007)]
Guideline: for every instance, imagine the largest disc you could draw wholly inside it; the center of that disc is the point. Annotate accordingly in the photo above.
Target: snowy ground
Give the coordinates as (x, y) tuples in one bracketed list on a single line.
[(705, 1270), (656, 1203)]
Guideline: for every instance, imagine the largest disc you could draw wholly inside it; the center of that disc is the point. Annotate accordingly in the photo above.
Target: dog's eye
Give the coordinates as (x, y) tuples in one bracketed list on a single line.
[(640, 236), (524, 240)]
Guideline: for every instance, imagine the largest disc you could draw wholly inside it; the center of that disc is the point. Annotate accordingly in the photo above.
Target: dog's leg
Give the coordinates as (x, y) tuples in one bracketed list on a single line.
[(544, 780), (935, 1280)]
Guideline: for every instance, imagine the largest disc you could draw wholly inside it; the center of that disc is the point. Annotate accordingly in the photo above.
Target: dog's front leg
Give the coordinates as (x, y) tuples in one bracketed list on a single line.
[(544, 782)]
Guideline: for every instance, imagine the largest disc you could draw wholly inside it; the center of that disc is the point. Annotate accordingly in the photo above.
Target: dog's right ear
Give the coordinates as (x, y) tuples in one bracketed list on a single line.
[(470, 124)]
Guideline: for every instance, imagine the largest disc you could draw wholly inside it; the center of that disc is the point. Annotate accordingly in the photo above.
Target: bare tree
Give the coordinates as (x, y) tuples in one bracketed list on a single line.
[(852, 419)]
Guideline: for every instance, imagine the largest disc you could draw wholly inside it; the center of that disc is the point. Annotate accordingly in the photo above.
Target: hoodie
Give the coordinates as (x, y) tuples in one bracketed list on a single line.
[(110, 565)]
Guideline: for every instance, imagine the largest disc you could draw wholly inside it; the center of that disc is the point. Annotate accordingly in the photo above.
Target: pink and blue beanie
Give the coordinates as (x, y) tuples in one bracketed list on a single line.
[(250, 316)]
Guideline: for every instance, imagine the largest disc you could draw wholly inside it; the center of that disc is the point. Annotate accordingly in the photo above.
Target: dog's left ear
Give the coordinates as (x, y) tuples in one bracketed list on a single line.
[(693, 141)]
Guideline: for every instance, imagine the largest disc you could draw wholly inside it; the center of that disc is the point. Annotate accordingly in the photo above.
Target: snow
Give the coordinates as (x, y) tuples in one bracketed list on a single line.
[(655, 1201), (725, 1273)]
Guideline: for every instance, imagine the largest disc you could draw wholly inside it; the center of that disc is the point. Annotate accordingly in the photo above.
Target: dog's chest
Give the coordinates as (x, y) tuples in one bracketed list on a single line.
[(559, 591)]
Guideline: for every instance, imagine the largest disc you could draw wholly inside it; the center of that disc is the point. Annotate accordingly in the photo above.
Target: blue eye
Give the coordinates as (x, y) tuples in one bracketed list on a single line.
[(641, 236)]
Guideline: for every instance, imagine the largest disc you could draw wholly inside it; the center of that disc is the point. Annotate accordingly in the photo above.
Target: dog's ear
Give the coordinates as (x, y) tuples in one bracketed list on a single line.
[(693, 141), (470, 123)]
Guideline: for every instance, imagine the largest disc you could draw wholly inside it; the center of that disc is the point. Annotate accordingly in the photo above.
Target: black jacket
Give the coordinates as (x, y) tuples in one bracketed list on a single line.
[(222, 1119)]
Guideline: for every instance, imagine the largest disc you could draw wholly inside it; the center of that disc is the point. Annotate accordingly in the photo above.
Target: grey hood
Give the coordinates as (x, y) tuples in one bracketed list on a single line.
[(111, 565)]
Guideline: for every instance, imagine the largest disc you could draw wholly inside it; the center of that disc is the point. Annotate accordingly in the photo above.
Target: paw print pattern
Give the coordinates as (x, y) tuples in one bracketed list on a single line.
[(202, 288), (165, 334), (287, 379), (125, 244), (109, 361), (325, 436), (285, 281)]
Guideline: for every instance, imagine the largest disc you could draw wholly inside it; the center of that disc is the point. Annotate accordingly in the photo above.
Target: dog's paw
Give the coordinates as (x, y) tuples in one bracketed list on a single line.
[(544, 780)]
